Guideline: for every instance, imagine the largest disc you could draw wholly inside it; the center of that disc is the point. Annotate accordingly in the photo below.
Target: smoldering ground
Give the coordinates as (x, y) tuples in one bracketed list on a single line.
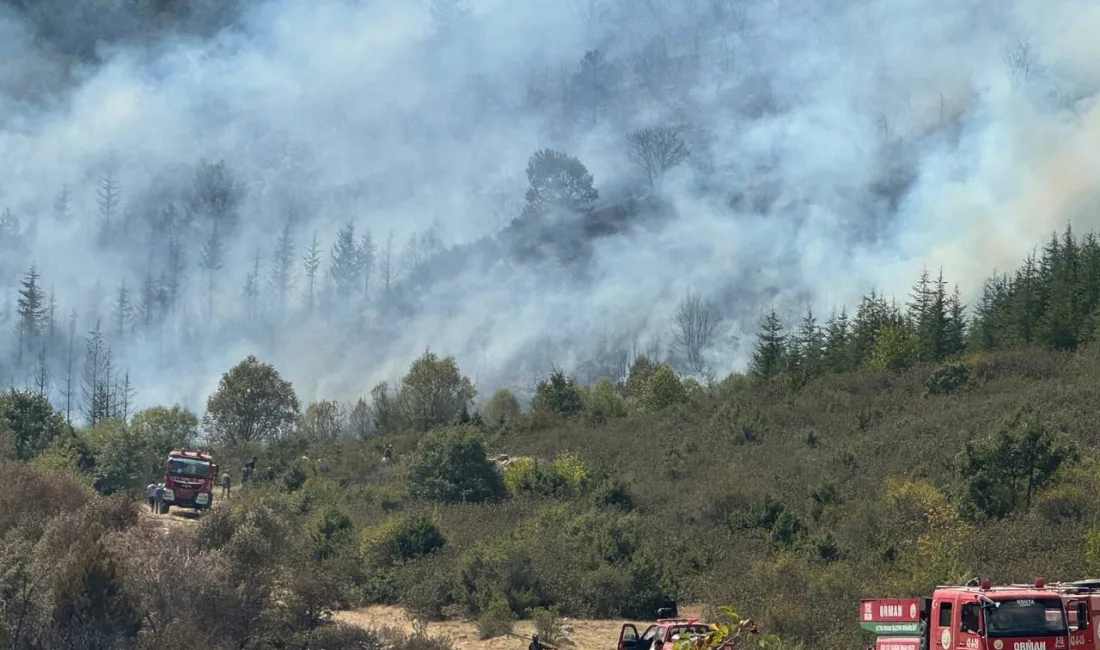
[(834, 146)]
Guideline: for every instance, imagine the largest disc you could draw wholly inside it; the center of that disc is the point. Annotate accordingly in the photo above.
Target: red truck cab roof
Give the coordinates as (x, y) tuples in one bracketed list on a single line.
[(190, 453)]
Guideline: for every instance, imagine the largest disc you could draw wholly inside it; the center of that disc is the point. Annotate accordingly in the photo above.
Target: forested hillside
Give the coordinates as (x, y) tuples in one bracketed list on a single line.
[(881, 454), (336, 185), (540, 309)]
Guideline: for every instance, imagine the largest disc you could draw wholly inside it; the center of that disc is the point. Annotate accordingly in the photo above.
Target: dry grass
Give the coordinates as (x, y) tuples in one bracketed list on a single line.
[(582, 635)]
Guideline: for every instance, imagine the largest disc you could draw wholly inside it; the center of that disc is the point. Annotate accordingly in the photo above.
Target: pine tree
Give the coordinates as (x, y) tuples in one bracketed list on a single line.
[(146, 312), (10, 232), (108, 195), (212, 260), (92, 380), (873, 313), (312, 262), (125, 394), (345, 267), (1089, 273), (42, 374), (175, 267), (770, 356), (988, 331), (838, 353), (31, 311), (70, 390), (954, 339), (920, 298), (252, 290), (386, 271), (123, 314), (51, 316), (367, 255), (63, 205), (811, 346), (282, 265)]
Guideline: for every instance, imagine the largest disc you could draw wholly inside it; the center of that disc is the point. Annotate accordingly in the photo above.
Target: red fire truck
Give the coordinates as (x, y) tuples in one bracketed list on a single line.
[(1082, 600), (976, 616), (189, 480)]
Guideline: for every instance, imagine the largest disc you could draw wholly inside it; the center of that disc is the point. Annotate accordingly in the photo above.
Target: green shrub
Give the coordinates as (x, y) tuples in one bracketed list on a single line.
[(558, 395), (663, 389), (947, 379), (502, 407), (603, 402), (524, 475), (549, 625), (450, 465), (402, 539), (496, 620)]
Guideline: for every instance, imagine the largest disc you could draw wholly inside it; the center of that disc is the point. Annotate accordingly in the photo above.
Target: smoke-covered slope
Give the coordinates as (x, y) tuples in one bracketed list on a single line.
[(833, 145)]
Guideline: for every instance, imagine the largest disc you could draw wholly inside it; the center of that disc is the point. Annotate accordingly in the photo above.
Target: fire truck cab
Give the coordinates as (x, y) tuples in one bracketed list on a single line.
[(976, 616), (1082, 602), (189, 480)]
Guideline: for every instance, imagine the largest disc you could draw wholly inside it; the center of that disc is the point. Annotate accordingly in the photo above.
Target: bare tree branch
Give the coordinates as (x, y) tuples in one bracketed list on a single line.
[(696, 321), (657, 149)]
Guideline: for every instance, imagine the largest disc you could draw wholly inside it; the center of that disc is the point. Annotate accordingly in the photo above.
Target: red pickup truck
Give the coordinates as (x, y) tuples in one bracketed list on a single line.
[(660, 635)]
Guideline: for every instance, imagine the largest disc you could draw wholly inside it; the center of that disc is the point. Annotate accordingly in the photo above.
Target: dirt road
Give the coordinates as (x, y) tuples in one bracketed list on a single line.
[(176, 517), (584, 634)]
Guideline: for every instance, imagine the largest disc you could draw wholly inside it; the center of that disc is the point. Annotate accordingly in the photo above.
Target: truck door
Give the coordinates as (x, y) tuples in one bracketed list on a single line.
[(943, 623), (1080, 627), (628, 637), (970, 627)]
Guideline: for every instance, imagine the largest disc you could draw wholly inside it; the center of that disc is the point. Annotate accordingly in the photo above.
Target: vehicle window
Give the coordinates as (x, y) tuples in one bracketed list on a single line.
[(188, 467), (650, 632), (945, 614), (1026, 617), (687, 630)]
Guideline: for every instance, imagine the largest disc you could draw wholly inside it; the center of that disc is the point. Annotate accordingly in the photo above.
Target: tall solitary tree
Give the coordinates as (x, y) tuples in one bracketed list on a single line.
[(109, 199), (367, 254), (557, 181), (31, 310), (345, 266), (253, 402), (312, 262), (96, 377), (123, 312), (282, 265), (212, 261), (697, 320), (655, 150)]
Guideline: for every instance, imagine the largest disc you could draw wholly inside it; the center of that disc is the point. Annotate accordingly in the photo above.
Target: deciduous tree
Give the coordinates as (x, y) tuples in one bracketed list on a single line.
[(252, 403)]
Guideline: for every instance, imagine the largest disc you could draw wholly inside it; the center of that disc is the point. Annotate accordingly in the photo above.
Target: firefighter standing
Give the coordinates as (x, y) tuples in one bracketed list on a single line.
[(158, 497), (225, 485), (246, 471), (535, 645), (151, 492)]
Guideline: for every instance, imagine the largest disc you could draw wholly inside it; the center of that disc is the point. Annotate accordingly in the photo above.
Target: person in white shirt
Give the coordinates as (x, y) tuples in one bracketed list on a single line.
[(151, 492), (158, 498)]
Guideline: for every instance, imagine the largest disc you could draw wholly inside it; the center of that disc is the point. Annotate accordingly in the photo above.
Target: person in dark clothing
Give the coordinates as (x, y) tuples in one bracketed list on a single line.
[(535, 645), (246, 471)]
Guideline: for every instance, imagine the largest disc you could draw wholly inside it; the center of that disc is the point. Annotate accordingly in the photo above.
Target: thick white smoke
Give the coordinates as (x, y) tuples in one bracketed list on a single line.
[(835, 146)]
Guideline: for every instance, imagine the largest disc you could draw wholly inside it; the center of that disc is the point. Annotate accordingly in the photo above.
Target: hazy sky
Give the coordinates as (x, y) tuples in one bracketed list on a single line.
[(835, 144)]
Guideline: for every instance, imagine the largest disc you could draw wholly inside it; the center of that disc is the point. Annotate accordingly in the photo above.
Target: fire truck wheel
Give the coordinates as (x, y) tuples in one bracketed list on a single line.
[(164, 508)]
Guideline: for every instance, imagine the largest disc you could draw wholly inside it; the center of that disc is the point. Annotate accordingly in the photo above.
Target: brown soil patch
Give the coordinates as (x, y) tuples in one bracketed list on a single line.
[(585, 634)]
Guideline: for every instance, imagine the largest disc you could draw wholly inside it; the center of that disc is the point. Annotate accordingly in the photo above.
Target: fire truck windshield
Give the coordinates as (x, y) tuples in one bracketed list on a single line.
[(188, 467), (1022, 617)]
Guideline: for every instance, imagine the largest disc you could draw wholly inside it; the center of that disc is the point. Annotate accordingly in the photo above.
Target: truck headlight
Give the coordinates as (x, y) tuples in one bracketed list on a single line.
[(202, 497), (169, 495)]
